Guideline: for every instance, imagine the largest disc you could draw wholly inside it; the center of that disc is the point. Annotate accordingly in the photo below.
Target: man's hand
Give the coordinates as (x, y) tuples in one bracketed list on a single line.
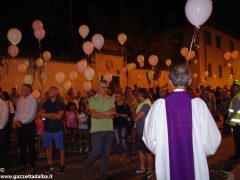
[(117, 115), (18, 124), (105, 114)]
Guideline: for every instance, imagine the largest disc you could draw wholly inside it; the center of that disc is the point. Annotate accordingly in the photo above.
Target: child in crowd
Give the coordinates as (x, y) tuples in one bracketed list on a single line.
[(83, 125), (39, 132), (71, 115)]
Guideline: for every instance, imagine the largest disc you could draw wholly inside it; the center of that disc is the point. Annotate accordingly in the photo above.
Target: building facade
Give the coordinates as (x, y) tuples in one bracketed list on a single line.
[(210, 45)]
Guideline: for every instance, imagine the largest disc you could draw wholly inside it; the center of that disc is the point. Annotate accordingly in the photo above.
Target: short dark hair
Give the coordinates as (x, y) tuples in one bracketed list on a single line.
[(6, 95), (102, 81), (120, 93), (180, 75), (143, 92), (28, 86)]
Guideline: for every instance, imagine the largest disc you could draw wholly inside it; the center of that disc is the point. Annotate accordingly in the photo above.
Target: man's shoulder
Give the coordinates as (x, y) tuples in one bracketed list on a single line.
[(97, 97), (158, 102), (237, 96), (46, 102), (92, 98), (3, 103), (109, 98), (32, 98), (20, 98), (198, 101), (59, 101)]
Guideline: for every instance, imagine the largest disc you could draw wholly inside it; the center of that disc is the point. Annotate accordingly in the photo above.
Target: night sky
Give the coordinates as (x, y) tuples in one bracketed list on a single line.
[(141, 20)]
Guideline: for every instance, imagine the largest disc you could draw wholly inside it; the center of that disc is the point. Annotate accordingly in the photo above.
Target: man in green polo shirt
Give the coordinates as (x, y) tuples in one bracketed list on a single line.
[(102, 110)]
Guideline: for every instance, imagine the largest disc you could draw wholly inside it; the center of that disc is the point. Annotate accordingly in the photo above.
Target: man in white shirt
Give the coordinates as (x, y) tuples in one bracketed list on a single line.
[(4, 112), (180, 130), (25, 122)]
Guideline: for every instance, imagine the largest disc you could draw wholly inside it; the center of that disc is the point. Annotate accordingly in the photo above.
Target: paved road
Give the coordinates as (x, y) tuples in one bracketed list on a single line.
[(74, 162)]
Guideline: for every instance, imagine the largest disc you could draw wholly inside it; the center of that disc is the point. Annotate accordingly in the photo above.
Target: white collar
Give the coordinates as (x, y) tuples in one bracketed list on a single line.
[(101, 96), (179, 90)]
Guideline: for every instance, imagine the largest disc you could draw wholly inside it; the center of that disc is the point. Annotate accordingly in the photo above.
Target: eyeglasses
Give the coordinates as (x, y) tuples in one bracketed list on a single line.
[(104, 87)]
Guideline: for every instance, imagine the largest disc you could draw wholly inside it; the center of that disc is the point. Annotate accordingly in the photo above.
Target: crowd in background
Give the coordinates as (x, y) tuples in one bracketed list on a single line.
[(75, 124)]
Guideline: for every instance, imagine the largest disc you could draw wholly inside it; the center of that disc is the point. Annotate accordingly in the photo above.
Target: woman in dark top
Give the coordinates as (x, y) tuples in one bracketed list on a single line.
[(120, 123)]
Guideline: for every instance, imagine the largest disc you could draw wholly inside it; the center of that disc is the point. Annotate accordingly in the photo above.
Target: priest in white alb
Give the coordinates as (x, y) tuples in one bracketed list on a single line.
[(181, 132)]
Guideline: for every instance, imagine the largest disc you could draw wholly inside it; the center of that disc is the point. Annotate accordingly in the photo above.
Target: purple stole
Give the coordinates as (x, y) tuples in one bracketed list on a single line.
[(179, 122)]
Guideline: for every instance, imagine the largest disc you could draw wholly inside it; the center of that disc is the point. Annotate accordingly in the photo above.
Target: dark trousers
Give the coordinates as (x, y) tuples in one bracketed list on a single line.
[(121, 133), (26, 140), (236, 137), (3, 148), (101, 145)]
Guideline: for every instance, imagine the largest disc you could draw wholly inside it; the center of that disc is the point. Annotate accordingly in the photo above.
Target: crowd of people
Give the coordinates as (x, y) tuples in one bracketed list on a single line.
[(90, 124)]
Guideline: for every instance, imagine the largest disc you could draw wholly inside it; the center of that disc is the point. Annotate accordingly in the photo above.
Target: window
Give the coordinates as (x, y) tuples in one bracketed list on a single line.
[(232, 70), (208, 38), (218, 42), (220, 71), (231, 46), (209, 70)]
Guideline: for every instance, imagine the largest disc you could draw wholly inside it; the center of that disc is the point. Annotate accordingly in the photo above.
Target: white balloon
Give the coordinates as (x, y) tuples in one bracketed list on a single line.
[(72, 75), (89, 74), (107, 77), (140, 59), (194, 75), (198, 11), (234, 54), (87, 86), (60, 77), (36, 94), (83, 31), (22, 68), (67, 85), (153, 60), (98, 41), (82, 65), (28, 79)]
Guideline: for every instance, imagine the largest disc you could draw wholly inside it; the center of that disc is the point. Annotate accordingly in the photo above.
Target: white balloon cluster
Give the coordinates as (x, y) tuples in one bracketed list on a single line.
[(39, 32), (88, 46), (107, 77), (14, 37), (140, 60), (187, 54), (228, 55), (131, 66)]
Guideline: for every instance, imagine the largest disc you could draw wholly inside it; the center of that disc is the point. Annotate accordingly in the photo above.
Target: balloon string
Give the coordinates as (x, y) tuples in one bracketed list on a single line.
[(193, 40), (40, 49), (46, 66), (16, 80), (14, 61)]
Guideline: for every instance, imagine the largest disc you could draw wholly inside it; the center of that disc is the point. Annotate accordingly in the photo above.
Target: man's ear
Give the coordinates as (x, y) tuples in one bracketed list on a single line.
[(171, 84), (190, 81)]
